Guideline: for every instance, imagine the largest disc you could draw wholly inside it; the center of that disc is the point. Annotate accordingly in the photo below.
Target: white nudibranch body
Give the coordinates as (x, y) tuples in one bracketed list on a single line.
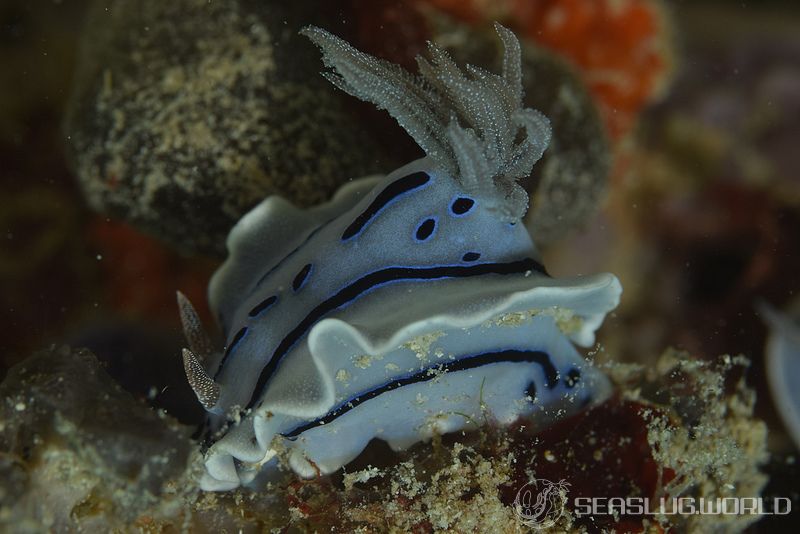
[(782, 359), (408, 305)]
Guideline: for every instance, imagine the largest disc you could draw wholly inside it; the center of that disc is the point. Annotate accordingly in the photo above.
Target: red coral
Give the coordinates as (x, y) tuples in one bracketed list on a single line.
[(141, 275), (619, 46), (601, 452)]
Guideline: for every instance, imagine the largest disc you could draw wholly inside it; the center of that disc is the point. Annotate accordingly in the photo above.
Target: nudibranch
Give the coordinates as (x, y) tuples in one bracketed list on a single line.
[(409, 305), (782, 359)]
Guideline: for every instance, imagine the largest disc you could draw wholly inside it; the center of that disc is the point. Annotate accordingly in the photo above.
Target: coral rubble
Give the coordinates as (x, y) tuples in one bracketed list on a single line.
[(684, 428), (75, 446)]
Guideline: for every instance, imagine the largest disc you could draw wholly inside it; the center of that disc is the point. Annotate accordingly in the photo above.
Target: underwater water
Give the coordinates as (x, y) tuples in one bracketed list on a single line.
[(341, 375)]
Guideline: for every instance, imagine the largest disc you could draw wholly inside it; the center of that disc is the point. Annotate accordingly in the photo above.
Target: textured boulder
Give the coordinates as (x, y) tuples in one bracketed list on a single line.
[(72, 441), (186, 114)]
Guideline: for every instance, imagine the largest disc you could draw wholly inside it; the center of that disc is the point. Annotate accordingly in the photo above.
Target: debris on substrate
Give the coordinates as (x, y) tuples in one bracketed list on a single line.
[(80, 453), (77, 451)]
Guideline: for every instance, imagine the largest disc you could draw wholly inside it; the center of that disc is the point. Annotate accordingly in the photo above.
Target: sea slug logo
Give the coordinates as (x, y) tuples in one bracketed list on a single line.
[(540, 503)]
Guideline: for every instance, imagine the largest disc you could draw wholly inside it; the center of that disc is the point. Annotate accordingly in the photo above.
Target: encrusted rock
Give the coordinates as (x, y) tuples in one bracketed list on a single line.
[(73, 442), (186, 114)]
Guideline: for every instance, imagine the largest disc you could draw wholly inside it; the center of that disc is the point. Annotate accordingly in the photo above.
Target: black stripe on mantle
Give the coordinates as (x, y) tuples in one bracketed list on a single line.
[(368, 282)]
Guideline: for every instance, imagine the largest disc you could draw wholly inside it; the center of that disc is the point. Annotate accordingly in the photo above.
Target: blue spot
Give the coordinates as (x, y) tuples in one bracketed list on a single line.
[(266, 303), (460, 206), (301, 278), (236, 339), (426, 229)]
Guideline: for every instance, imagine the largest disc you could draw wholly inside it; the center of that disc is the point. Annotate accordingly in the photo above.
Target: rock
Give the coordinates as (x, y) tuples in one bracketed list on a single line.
[(186, 114), (72, 442)]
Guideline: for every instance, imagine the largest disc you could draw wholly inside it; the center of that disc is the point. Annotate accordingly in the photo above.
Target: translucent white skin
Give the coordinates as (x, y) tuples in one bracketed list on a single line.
[(327, 365), (783, 367)]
